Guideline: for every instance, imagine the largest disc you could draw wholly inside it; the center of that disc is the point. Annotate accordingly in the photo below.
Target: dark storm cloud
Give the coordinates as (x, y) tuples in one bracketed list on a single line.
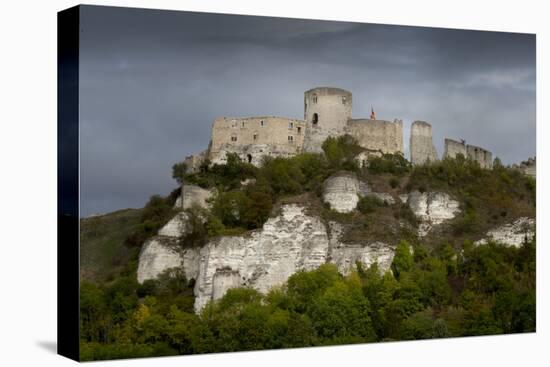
[(153, 81)]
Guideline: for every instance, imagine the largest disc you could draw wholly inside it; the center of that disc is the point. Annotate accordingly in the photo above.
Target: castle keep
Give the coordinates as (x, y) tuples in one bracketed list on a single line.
[(327, 112)]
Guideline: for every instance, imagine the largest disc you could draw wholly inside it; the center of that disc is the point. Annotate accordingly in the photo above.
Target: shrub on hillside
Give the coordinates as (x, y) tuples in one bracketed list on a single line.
[(341, 151), (394, 164)]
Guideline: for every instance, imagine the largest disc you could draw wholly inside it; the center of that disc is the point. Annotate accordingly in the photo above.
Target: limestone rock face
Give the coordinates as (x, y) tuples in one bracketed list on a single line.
[(155, 257), (345, 255), (262, 259), (175, 227), (342, 191), (511, 234), (288, 243), (432, 208), (193, 195)]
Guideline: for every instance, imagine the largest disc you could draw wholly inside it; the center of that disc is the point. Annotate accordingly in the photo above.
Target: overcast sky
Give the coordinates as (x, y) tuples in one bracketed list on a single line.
[(151, 83)]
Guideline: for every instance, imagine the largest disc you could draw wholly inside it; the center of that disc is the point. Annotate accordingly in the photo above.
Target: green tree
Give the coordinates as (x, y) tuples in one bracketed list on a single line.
[(179, 170), (403, 259)]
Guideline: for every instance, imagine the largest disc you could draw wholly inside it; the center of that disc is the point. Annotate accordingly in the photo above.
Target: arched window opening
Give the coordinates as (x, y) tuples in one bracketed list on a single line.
[(249, 157), (315, 119)]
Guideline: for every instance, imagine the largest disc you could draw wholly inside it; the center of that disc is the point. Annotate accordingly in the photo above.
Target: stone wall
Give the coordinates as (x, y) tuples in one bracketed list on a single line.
[(421, 144), (326, 112), (480, 155), (454, 148), (194, 161), (384, 136), (254, 137), (529, 167)]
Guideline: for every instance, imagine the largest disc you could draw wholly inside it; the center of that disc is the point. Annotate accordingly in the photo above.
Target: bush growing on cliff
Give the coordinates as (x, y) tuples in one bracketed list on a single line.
[(156, 213), (369, 204), (341, 151), (394, 164)]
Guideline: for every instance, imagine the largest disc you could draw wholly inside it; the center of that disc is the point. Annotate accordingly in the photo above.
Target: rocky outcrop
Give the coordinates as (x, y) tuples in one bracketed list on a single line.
[(193, 195), (342, 191), (432, 208), (156, 256), (346, 255), (290, 242), (511, 234), (163, 252), (175, 227)]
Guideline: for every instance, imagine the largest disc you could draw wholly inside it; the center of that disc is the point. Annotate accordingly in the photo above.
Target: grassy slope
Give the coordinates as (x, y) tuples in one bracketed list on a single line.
[(102, 250)]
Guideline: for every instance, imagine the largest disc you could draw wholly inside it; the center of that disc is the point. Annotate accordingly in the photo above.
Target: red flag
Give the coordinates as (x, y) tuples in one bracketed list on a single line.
[(372, 114)]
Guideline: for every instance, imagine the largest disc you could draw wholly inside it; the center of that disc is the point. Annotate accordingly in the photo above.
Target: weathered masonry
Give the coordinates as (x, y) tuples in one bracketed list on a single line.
[(421, 144), (253, 138), (480, 155)]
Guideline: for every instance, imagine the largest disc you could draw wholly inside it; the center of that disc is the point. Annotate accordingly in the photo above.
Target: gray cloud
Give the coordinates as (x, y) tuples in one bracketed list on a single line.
[(153, 81)]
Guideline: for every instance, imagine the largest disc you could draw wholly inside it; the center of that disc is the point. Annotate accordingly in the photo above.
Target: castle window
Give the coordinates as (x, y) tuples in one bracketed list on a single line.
[(242, 124), (233, 137), (262, 123), (233, 123), (291, 139), (344, 100), (299, 130), (314, 99), (315, 119), (255, 137), (291, 125)]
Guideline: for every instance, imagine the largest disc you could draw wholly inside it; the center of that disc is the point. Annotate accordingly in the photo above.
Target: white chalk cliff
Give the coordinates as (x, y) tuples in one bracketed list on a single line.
[(511, 234), (431, 208), (292, 241)]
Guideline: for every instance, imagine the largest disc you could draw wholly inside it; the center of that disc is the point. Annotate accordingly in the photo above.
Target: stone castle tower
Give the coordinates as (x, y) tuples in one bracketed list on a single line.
[(421, 144), (326, 113)]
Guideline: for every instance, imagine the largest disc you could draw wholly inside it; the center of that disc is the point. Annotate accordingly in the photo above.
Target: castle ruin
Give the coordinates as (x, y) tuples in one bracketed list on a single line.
[(327, 113), (421, 144), (453, 148)]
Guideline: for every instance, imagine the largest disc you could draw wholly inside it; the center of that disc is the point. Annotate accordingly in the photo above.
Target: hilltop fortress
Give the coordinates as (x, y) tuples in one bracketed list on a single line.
[(327, 112)]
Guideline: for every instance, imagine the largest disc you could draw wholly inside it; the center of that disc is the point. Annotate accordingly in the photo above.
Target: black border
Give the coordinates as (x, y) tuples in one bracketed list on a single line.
[(68, 262)]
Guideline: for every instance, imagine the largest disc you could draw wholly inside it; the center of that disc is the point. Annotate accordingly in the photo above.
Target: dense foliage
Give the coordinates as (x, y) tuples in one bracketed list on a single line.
[(487, 197), (488, 289)]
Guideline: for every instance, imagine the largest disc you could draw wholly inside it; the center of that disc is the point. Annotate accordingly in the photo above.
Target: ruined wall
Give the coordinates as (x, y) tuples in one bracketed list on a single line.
[(529, 167), (194, 161), (482, 156), (421, 144), (326, 112), (381, 135), (454, 148), (254, 137)]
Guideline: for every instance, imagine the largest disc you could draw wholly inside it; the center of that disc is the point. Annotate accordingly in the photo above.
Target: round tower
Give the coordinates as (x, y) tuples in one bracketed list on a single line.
[(326, 112)]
